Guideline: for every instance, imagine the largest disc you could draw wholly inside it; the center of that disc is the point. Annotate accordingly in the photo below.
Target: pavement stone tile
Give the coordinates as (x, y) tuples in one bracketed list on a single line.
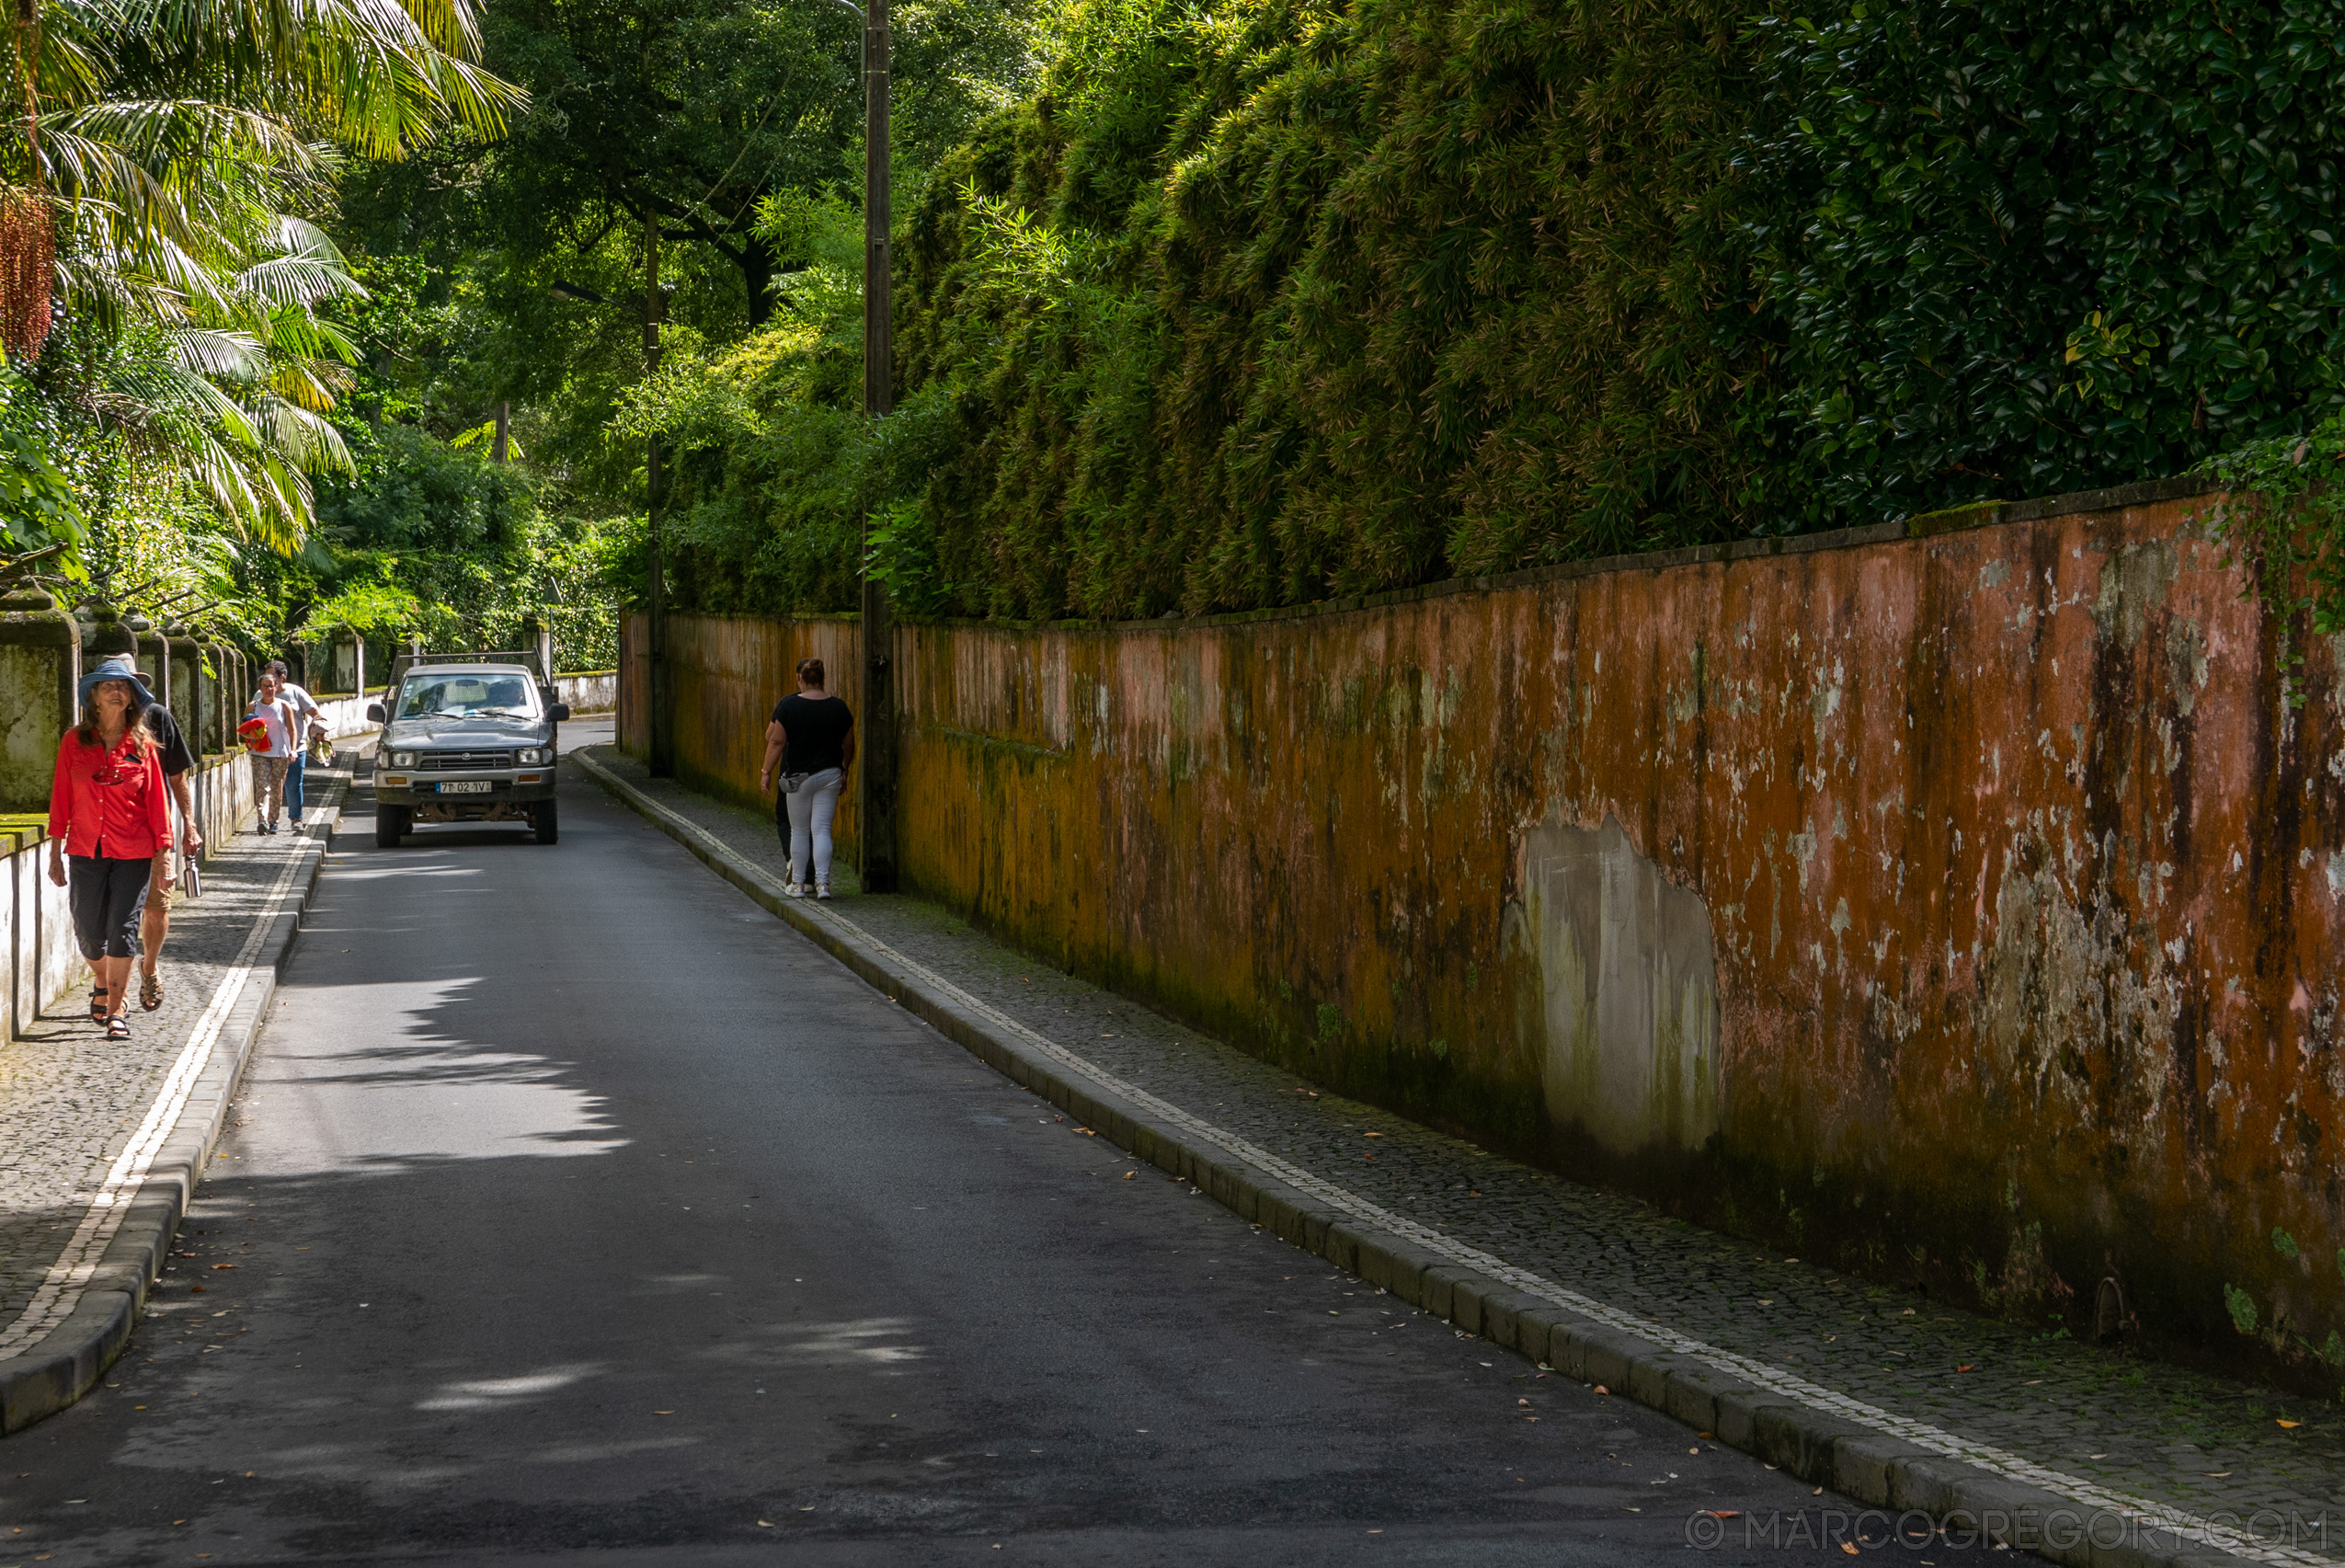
[(2133, 1425), (69, 1101)]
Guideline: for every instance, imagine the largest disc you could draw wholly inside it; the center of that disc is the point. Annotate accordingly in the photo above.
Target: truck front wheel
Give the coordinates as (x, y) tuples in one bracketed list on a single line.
[(390, 824), (549, 821)]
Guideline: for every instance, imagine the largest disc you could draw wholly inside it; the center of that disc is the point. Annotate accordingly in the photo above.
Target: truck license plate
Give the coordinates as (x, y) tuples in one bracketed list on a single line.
[(466, 786)]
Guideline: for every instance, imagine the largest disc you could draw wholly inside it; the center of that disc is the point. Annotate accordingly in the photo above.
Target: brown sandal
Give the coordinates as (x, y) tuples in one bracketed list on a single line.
[(151, 991), (97, 1005)]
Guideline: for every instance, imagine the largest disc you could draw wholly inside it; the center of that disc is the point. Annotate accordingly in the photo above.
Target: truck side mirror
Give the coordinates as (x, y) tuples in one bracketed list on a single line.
[(374, 712), (559, 712)]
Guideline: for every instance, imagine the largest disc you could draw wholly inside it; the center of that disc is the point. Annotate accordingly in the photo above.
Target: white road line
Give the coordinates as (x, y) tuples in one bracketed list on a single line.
[(62, 1289), (1759, 1374)]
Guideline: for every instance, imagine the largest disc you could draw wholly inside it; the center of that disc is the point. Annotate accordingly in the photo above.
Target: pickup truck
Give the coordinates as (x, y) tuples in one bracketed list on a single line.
[(465, 738)]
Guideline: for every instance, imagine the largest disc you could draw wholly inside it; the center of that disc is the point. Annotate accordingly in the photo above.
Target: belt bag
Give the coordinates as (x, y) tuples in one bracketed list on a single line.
[(793, 783)]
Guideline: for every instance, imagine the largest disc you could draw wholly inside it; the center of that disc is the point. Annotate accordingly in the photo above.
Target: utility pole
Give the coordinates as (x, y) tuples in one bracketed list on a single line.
[(662, 760), (877, 828)]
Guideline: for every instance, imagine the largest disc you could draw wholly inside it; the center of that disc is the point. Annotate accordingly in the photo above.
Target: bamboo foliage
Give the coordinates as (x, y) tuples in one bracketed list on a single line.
[(1408, 289)]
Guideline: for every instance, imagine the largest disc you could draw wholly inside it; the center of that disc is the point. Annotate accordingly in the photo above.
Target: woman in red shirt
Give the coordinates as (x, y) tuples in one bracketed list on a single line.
[(109, 811)]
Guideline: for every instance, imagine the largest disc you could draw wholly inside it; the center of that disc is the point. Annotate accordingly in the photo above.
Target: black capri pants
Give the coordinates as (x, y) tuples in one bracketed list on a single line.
[(107, 896)]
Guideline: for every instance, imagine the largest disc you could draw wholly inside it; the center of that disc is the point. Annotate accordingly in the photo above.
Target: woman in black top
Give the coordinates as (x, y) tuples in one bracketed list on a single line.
[(812, 735)]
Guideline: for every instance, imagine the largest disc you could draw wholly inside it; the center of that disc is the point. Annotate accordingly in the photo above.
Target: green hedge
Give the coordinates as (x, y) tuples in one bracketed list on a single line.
[(1271, 303)]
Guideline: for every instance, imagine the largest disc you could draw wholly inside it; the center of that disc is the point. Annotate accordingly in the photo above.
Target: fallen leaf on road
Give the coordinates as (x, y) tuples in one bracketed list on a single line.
[(1371, 1135), (663, 1413), (1849, 1547), (1722, 1513), (224, 1265), (1129, 1175), (2211, 1474), (1602, 1389), (2286, 1422), (765, 1524), (1972, 1366)]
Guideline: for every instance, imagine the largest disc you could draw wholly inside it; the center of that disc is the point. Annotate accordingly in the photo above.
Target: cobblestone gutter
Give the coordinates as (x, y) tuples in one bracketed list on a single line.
[(2084, 1454)]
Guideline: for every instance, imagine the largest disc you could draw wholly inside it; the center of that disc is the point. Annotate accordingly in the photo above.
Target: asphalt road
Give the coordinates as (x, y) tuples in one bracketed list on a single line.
[(577, 1211)]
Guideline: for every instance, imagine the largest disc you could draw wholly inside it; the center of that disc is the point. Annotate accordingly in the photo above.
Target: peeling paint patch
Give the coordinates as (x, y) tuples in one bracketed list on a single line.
[(2133, 581), (1629, 971)]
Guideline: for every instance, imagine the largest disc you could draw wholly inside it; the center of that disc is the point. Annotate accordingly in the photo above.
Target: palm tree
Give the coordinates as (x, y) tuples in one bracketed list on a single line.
[(165, 146)]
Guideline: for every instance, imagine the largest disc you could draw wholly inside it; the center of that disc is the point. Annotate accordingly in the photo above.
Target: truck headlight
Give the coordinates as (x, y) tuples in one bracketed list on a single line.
[(535, 756), (403, 759)]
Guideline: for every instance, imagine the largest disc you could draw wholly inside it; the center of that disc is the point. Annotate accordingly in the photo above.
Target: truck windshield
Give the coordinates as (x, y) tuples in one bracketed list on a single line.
[(464, 696)]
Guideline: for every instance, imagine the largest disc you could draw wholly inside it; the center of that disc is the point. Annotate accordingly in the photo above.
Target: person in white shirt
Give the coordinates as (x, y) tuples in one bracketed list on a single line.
[(269, 767), (308, 719)]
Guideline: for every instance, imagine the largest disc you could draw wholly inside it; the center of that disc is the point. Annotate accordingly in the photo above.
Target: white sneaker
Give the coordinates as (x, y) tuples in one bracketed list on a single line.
[(792, 890), (822, 891)]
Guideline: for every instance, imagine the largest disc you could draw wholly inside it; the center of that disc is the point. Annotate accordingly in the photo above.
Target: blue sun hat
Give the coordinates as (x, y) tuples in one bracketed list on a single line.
[(117, 668)]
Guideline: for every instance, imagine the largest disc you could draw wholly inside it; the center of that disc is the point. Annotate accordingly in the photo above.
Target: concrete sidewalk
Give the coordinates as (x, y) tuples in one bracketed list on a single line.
[(102, 1144), (2082, 1454)]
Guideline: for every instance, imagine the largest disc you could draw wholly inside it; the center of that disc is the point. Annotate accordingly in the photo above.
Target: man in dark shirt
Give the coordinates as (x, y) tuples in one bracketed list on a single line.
[(179, 761)]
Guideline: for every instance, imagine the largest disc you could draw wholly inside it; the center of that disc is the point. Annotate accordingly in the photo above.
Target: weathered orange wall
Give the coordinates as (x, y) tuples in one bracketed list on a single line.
[(1986, 897), (729, 674)]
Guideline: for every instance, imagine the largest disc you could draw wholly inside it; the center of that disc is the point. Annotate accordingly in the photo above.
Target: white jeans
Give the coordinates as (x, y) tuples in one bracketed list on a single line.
[(811, 807)]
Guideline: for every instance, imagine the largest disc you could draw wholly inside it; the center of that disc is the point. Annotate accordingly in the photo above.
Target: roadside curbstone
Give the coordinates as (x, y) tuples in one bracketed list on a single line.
[(1866, 1465), (1606, 1354), (1928, 1484), (1693, 1392), (1862, 1464), (1800, 1441), (1738, 1417)]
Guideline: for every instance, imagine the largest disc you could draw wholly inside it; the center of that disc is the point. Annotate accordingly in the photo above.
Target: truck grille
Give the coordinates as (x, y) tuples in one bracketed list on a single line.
[(464, 762)]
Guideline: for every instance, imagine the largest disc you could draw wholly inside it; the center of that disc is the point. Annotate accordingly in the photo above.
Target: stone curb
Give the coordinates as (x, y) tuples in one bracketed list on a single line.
[(68, 1362), (1860, 1464)]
